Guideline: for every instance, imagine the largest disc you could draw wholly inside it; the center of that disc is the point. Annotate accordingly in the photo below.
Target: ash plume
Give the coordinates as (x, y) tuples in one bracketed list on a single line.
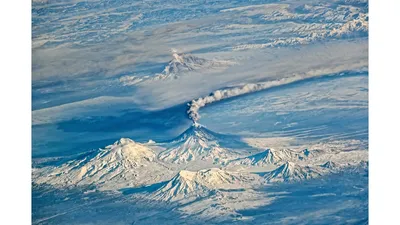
[(218, 95)]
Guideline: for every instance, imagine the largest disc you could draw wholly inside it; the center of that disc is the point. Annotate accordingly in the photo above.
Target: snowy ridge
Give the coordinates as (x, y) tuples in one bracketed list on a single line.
[(197, 142), (130, 164), (269, 156), (190, 185), (327, 22), (180, 65), (273, 157), (352, 28), (330, 165), (125, 163), (292, 172)]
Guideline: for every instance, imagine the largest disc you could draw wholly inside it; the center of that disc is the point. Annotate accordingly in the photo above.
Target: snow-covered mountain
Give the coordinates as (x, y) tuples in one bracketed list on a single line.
[(290, 171), (267, 157), (182, 63), (130, 164), (315, 153), (330, 165), (125, 163), (196, 143), (273, 156), (190, 185)]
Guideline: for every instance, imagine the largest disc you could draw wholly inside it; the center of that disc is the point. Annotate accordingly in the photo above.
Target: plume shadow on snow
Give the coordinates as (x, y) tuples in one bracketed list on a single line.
[(158, 121), (98, 130), (67, 148), (165, 125)]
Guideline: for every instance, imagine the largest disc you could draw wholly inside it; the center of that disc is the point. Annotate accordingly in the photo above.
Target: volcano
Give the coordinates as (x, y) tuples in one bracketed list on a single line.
[(290, 171), (197, 142), (190, 185), (267, 157), (123, 164), (184, 63)]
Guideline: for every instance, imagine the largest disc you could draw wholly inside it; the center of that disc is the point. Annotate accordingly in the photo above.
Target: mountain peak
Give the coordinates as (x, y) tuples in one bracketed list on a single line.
[(186, 174), (127, 149), (267, 157), (182, 63), (197, 142), (329, 165), (121, 164), (177, 58), (188, 185), (124, 141), (290, 171), (196, 125)]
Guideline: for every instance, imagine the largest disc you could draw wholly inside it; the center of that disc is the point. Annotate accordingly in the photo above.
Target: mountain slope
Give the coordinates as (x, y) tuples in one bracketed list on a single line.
[(196, 143), (182, 63), (330, 165), (267, 157), (125, 163), (190, 185), (292, 172)]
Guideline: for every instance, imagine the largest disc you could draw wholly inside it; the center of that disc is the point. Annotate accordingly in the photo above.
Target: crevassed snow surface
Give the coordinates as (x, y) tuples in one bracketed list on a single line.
[(193, 112)]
